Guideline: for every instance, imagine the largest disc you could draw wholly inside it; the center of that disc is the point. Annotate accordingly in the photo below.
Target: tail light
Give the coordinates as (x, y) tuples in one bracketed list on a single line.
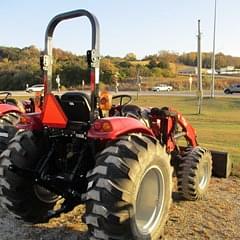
[(24, 119), (103, 126)]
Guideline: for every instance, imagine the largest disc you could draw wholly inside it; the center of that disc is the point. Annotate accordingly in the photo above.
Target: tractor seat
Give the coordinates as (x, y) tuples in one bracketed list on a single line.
[(76, 106)]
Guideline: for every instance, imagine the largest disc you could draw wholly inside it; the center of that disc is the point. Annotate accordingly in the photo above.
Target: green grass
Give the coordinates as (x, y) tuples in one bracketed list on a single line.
[(218, 125)]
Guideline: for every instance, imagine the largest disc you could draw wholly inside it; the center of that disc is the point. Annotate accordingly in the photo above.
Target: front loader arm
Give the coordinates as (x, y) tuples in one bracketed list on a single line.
[(191, 135), (165, 125)]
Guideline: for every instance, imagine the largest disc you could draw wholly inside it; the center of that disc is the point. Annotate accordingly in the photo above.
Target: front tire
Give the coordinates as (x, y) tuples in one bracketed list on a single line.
[(194, 173), (227, 91), (21, 195), (129, 190)]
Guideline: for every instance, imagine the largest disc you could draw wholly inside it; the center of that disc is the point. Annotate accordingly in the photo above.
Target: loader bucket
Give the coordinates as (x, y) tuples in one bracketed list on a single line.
[(222, 164)]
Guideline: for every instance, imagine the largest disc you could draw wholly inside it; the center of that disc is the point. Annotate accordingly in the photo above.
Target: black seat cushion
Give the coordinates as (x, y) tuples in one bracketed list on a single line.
[(76, 106)]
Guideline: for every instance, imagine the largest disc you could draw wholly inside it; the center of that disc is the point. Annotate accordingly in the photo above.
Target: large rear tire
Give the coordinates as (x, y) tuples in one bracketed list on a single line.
[(7, 132), (10, 118), (129, 190), (7, 128), (194, 173), (21, 195)]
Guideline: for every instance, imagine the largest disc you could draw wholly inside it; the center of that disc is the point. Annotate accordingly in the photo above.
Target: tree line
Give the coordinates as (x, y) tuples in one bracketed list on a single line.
[(20, 66)]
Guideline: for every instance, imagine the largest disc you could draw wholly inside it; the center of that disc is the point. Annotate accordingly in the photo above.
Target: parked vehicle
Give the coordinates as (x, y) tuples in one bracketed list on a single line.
[(35, 88), (235, 88), (162, 87)]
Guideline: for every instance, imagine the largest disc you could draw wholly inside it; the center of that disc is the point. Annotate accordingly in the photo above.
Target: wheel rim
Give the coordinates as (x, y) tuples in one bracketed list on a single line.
[(44, 195), (150, 200), (203, 176)]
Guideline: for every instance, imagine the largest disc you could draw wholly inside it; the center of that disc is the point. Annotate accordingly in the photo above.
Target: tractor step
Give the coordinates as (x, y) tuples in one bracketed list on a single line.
[(222, 164)]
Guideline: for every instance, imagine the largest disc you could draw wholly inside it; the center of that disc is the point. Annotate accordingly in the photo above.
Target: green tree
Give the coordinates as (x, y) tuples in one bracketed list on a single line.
[(108, 71), (163, 64), (153, 64), (130, 57)]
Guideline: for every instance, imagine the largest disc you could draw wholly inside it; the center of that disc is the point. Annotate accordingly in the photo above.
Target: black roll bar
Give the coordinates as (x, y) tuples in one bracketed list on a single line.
[(93, 54)]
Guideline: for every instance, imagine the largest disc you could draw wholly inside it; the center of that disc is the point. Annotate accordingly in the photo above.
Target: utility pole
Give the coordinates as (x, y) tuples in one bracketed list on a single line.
[(199, 66), (139, 82), (58, 82), (213, 53)]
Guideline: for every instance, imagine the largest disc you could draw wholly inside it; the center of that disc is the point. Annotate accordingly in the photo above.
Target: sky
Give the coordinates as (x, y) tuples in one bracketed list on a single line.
[(143, 27)]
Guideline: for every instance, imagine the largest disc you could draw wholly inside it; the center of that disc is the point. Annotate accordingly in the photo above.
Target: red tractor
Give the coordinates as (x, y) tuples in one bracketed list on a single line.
[(11, 110), (116, 159)]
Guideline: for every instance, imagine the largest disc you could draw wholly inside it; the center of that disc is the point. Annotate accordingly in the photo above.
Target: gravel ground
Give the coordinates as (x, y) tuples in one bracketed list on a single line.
[(217, 216)]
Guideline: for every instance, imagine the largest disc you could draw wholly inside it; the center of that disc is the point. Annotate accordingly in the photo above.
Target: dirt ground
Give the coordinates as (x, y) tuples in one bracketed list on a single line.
[(217, 216)]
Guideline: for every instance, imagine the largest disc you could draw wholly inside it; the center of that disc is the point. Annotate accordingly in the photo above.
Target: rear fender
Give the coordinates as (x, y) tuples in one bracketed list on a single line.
[(6, 108), (112, 127), (30, 121)]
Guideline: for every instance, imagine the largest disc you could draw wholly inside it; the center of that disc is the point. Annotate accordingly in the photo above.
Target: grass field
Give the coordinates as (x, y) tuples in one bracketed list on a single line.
[(218, 126)]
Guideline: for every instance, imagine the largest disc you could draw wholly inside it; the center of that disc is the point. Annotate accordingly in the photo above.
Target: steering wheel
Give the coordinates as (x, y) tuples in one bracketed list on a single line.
[(116, 109), (7, 94), (122, 97)]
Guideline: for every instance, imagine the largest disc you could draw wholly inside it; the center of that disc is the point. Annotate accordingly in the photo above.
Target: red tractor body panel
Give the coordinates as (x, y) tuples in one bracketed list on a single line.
[(112, 127), (30, 121), (191, 134), (53, 115), (165, 125), (5, 108), (171, 145)]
